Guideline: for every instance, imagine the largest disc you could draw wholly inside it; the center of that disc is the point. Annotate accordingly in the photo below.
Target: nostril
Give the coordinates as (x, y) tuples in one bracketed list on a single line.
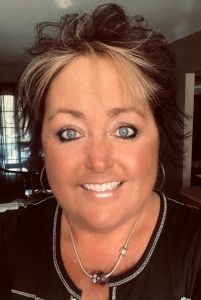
[(97, 164), (99, 160)]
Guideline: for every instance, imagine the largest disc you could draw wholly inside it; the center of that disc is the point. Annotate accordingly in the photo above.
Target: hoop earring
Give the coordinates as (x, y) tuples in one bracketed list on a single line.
[(42, 174), (163, 177)]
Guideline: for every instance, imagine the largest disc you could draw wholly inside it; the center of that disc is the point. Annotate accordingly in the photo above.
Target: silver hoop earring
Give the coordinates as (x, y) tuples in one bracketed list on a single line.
[(162, 175), (42, 178)]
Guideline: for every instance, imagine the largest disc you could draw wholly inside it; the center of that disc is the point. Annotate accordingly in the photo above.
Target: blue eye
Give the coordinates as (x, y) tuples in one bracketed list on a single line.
[(69, 134), (126, 132)]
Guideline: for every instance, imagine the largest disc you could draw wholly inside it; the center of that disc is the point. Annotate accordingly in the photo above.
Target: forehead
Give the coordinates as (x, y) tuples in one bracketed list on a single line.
[(94, 80)]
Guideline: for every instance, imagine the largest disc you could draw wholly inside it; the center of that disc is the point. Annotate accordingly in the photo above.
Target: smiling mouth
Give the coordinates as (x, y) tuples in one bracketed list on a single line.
[(103, 187)]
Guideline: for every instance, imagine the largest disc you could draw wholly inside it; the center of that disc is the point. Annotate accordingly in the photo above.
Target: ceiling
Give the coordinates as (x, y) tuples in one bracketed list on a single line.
[(174, 18)]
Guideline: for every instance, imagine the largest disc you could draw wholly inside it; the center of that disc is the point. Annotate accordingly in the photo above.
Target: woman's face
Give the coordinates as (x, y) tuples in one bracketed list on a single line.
[(101, 152)]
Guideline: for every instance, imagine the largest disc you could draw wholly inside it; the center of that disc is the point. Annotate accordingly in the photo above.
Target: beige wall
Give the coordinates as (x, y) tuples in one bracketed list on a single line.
[(188, 57), (10, 73), (188, 52)]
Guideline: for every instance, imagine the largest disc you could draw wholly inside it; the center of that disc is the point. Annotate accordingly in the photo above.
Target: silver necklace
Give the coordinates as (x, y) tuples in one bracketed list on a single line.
[(100, 277)]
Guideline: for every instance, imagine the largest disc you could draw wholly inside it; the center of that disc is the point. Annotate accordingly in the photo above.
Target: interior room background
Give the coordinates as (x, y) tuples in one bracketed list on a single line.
[(13, 150)]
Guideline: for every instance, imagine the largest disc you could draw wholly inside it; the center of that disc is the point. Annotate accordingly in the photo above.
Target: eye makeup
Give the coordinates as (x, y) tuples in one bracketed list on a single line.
[(68, 135), (126, 132)]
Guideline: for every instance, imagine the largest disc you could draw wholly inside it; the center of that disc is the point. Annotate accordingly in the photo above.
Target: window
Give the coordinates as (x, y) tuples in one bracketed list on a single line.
[(12, 154)]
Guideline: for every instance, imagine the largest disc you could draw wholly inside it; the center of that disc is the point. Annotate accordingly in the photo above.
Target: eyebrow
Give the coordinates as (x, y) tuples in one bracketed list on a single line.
[(114, 112), (75, 113)]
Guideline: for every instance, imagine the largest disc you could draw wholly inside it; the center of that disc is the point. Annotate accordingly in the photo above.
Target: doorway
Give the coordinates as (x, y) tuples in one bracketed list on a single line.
[(192, 145)]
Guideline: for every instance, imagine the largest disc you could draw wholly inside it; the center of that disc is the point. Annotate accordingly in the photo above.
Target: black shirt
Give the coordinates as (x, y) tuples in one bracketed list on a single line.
[(31, 266)]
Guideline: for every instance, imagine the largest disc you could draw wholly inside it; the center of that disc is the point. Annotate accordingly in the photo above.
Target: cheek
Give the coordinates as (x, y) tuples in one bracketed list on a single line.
[(142, 163), (142, 160), (60, 166), (148, 160)]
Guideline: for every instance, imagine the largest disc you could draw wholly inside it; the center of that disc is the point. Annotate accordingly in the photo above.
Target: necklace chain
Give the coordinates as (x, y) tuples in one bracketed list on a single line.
[(101, 277)]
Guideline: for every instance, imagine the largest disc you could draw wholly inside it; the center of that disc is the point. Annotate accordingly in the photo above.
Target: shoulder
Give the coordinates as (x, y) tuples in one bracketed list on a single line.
[(183, 211), (24, 219), (183, 222), (18, 213), (25, 235)]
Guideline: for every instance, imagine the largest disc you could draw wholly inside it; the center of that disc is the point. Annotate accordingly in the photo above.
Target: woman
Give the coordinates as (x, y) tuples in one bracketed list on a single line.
[(99, 103)]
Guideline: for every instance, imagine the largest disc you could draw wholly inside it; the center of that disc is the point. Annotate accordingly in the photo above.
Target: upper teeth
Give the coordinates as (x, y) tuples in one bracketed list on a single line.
[(102, 187)]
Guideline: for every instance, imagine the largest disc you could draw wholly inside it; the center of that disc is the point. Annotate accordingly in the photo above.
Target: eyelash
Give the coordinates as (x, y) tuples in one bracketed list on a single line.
[(68, 139), (127, 128)]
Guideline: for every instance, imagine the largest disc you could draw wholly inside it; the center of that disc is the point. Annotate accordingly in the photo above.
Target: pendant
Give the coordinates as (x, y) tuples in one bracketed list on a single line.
[(99, 278)]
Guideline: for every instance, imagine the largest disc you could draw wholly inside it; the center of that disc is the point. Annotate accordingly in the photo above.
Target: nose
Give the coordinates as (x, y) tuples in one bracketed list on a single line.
[(99, 156)]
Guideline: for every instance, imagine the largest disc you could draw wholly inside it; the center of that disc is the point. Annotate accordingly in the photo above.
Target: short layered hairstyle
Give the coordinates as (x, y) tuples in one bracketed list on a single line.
[(141, 55)]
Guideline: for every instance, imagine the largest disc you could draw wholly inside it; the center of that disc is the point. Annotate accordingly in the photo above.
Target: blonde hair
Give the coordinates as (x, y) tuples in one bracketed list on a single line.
[(140, 55), (37, 77)]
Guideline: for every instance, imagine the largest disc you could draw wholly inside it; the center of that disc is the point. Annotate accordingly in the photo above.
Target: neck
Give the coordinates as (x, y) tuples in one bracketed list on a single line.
[(102, 238), (118, 232), (99, 251), (102, 277)]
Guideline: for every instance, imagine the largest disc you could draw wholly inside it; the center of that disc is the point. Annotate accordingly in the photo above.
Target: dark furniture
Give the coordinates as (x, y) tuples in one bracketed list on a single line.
[(15, 182)]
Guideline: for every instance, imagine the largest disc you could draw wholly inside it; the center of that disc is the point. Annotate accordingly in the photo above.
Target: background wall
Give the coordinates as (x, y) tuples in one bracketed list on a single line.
[(188, 57), (187, 52), (10, 73)]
